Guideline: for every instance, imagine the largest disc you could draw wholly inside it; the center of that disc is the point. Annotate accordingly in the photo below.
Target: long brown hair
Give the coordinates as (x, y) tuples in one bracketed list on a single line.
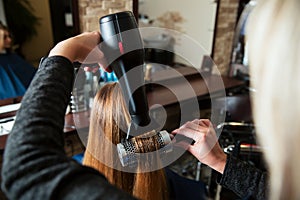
[(108, 125)]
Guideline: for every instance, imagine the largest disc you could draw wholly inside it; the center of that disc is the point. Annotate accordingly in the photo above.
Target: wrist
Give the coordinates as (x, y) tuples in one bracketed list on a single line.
[(219, 163), (63, 49)]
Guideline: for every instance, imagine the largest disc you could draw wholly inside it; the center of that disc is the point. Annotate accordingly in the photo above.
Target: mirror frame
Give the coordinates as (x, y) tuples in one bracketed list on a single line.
[(135, 9), (215, 29)]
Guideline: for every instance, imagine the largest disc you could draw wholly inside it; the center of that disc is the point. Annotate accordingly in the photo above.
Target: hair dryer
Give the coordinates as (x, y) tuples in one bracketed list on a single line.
[(123, 48)]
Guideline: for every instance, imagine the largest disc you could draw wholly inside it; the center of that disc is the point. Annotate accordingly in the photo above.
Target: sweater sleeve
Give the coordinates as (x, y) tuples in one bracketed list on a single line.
[(244, 179), (35, 165)]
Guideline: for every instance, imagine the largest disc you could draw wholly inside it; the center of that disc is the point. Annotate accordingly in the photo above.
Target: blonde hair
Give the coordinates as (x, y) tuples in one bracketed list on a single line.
[(109, 120), (273, 34)]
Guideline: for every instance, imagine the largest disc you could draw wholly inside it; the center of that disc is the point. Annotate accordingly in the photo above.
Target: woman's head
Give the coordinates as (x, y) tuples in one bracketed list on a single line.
[(5, 38), (108, 126), (274, 41)]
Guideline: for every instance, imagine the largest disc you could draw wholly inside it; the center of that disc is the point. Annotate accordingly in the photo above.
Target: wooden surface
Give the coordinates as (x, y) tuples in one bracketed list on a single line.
[(4, 102), (189, 88)]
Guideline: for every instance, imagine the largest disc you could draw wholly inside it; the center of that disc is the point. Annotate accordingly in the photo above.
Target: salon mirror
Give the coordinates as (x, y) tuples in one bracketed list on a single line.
[(194, 18)]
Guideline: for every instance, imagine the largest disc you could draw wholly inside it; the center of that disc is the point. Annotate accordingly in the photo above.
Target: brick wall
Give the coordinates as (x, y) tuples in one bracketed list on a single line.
[(91, 10), (226, 22)]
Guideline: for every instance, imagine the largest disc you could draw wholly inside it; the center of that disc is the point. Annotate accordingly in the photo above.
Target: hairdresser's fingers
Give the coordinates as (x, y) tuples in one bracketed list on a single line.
[(182, 144), (204, 122), (85, 47), (171, 136), (196, 123), (81, 48), (191, 130), (202, 151), (97, 56), (190, 133), (206, 147), (90, 52)]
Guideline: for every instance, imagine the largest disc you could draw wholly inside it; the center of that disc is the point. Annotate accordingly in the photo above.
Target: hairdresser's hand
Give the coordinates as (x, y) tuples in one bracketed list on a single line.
[(82, 48), (206, 147)]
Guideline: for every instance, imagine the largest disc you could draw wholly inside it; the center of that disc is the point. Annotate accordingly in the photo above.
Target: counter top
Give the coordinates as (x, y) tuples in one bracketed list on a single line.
[(164, 93)]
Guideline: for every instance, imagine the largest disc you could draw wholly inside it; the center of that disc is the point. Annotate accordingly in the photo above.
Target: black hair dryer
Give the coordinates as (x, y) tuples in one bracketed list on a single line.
[(123, 49)]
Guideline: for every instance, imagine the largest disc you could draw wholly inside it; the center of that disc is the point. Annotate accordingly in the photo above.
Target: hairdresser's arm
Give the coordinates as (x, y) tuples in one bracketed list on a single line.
[(35, 165), (238, 176)]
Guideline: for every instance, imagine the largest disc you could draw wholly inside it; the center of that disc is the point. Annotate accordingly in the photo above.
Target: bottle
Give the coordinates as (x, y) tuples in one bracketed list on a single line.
[(95, 84)]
